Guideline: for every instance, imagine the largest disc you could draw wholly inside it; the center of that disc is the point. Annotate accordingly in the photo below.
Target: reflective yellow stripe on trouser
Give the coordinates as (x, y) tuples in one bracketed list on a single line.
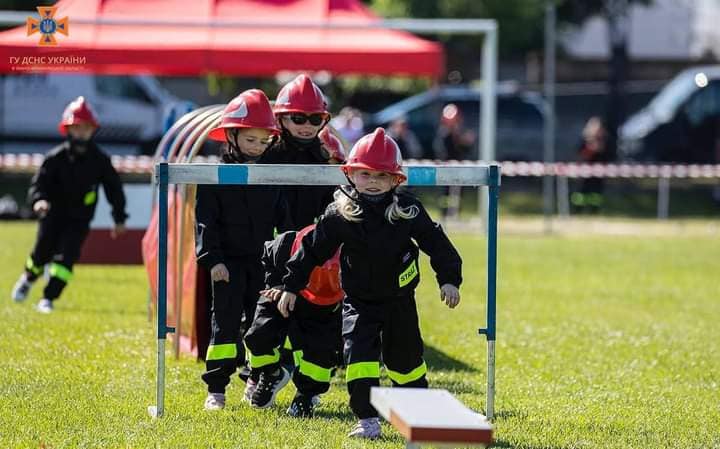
[(220, 352), (412, 376), (362, 370), (313, 371), (61, 272), (258, 361), (30, 265)]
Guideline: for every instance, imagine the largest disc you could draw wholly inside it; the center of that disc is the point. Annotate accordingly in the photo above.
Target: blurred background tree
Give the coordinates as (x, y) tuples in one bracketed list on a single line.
[(521, 32)]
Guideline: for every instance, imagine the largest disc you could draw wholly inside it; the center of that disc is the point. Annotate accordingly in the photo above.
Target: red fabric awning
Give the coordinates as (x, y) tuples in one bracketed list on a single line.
[(195, 44)]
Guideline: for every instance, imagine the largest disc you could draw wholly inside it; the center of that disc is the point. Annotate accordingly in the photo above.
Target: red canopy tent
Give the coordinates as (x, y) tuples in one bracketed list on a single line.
[(235, 37), (191, 37)]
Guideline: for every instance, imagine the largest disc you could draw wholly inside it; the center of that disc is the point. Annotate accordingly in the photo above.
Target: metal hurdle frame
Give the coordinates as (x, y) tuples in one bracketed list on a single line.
[(258, 174)]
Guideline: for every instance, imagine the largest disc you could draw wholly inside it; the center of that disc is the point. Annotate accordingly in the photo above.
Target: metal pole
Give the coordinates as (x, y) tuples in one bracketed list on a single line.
[(489, 109), (549, 128), (489, 96), (455, 26), (663, 198), (563, 196), (494, 196), (158, 409)]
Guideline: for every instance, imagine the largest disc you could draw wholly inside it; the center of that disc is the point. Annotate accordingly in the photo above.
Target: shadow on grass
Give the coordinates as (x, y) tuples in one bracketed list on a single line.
[(101, 311), (344, 415), (437, 360), (506, 444), (505, 414)]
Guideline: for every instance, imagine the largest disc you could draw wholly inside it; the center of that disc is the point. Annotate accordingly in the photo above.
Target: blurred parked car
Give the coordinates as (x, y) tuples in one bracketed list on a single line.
[(519, 118), (680, 124), (131, 110)]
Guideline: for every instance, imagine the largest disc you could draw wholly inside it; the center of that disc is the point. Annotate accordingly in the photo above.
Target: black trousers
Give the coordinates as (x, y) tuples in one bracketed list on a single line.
[(387, 327), (313, 330), (230, 302), (59, 241)]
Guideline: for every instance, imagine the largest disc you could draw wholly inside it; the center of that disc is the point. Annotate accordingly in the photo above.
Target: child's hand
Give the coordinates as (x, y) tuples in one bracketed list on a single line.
[(220, 273), (41, 207), (450, 294), (273, 294), (286, 304)]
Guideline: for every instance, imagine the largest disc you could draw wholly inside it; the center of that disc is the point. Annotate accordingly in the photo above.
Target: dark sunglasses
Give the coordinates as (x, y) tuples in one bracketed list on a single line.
[(314, 119)]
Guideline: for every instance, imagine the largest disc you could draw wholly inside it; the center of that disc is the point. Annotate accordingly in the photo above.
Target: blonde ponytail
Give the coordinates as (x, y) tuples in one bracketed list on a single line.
[(347, 207), (395, 212)]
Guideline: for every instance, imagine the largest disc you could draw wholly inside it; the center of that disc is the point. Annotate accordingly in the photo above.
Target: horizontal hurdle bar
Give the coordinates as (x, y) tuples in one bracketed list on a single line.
[(280, 174), (418, 175)]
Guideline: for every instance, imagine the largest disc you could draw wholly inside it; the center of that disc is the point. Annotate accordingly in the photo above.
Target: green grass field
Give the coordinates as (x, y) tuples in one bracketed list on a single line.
[(603, 342)]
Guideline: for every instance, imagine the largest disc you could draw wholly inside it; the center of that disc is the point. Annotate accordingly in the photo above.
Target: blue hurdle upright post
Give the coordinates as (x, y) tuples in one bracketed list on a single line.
[(161, 178), (259, 174), (489, 331)]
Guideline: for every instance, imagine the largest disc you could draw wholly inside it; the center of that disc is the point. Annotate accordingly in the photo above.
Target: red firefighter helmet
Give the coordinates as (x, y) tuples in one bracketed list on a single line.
[(376, 151), (76, 113), (323, 288), (333, 145), (300, 95), (250, 109)]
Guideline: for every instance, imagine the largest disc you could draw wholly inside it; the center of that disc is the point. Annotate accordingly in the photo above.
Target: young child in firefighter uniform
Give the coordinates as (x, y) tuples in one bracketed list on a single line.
[(377, 227), (301, 112), (232, 224), (64, 195), (313, 329)]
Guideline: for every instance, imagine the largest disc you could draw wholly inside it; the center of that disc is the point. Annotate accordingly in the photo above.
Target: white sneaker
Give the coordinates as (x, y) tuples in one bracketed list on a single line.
[(250, 386), (45, 306), (368, 428), (215, 401), (21, 289)]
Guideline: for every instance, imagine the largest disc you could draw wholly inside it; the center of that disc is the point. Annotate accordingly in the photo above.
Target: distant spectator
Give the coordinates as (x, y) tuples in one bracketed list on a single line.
[(592, 149), (452, 140), (405, 138), (349, 124)]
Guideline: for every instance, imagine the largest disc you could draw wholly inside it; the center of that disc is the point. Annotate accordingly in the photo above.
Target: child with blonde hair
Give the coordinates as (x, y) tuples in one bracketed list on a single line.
[(377, 229)]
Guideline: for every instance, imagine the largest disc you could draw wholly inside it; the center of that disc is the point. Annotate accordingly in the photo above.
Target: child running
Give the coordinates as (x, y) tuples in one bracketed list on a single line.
[(64, 194), (301, 112), (232, 224), (313, 327), (377, 227)]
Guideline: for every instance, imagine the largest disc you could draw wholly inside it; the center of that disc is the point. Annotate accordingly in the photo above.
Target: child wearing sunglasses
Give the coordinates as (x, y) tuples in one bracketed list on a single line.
[(301, 112), (232, 224), (378, 231)]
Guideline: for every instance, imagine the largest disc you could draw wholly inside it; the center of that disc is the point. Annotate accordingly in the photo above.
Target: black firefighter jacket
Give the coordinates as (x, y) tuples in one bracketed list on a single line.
[(306, 203), (275, 256), (70, 182), (234, 221), (378, 260)]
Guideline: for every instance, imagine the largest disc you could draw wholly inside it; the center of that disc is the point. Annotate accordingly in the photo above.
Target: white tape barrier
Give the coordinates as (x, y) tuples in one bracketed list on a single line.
[(144, 164)]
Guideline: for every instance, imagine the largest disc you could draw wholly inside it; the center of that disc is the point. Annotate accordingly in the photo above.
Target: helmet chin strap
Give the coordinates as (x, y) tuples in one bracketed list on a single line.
[(78, 146), (234, 154), (358, 197)]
